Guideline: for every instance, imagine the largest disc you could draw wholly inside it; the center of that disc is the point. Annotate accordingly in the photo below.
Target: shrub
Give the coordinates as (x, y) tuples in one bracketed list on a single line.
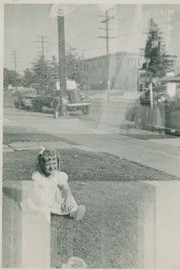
[(40, 102)]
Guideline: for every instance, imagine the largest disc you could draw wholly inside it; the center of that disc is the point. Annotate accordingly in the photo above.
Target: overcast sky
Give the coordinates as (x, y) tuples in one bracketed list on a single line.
[(24, 24)]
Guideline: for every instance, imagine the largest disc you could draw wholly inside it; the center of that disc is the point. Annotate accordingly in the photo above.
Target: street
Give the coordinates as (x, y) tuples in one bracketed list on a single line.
[(105, 114)]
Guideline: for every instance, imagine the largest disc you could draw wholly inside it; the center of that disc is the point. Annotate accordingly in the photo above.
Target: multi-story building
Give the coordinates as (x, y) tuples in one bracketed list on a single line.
[(123, 71)]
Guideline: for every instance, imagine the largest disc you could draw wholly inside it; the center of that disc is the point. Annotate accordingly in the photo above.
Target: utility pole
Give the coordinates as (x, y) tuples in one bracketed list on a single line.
[(60, 11), (15, 63), (107, 42), (62, 66), (43, 41), (107, 37)]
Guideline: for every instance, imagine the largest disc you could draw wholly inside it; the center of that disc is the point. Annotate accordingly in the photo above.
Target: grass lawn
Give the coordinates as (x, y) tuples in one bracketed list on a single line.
[(111, 233), (81, 166)]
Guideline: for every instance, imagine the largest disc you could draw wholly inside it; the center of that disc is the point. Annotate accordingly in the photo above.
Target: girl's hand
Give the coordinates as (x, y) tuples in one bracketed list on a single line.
[(67, 205)]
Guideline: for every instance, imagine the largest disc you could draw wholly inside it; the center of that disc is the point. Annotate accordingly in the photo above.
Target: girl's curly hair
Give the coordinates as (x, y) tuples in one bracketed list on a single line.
[(47, 155)]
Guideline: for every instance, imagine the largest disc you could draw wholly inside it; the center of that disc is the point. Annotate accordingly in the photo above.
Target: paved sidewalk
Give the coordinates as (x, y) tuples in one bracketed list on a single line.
[(171, 141), (115, 95), (159, 156), (19, 146)]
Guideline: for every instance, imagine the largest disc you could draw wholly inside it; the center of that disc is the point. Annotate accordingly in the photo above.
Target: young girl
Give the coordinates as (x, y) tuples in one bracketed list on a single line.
[(50, 188)]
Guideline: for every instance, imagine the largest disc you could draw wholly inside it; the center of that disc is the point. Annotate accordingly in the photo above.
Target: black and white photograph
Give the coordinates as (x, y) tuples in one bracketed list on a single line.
[(90, 107)]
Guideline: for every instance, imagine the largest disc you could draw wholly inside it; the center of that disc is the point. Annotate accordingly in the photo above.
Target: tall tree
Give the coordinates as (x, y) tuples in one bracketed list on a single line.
[(80, 75), (71, 62), (55, 68), (42, 75), (28, 78), (54, 73), (157, 63), (76, 67), (6, 79), (11, 78)]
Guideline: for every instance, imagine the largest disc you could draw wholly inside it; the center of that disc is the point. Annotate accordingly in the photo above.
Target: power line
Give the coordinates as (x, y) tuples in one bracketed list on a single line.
[(107, 37), (15, 67), (42, 41), (15, 59), (93, 49)]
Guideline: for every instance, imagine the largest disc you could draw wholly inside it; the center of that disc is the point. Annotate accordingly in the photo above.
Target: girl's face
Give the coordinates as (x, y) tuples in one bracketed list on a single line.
[(50, 166)]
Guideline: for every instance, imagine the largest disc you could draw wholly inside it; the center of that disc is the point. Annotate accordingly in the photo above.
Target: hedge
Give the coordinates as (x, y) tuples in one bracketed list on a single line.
[(40, 102)]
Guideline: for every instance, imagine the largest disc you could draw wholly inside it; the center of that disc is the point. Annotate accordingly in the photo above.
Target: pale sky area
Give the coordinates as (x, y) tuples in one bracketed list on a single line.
[(24, 24)]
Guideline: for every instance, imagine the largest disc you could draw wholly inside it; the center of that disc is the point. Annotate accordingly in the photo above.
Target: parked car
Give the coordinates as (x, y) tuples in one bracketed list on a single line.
[(165, 111), (78, 100), (27, 98), (23, 99)]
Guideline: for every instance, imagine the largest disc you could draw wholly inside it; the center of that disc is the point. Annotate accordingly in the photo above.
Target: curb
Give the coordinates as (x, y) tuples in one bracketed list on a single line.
[(24, 146)]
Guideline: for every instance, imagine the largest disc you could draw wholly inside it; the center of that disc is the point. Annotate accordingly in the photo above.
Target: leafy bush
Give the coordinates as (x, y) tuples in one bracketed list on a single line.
[(40, 102)]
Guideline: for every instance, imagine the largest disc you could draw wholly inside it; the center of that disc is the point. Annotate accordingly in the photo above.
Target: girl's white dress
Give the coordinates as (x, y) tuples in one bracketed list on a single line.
[(47, 193)]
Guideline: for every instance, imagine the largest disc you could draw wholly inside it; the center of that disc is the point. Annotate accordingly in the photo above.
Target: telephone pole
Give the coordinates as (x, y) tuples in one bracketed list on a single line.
[(43, 41), (107, 37), (15, 60), (61, 11), (62, 66), (15, 65)]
